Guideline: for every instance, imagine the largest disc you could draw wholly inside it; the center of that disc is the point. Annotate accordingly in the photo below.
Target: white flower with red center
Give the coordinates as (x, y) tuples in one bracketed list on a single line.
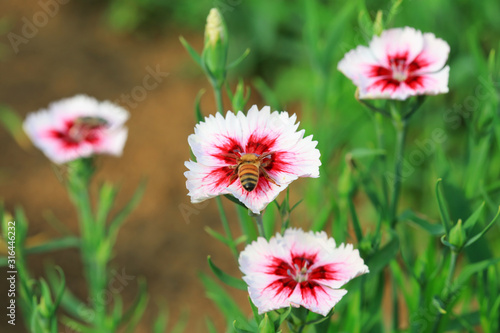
[(253, 157), (402, 62), (77, 127), (299, 269)]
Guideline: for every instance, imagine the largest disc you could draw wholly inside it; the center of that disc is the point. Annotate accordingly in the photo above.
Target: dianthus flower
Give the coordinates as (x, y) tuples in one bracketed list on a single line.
[(402, 62), (253, 157), (299, 269), (77, 127)]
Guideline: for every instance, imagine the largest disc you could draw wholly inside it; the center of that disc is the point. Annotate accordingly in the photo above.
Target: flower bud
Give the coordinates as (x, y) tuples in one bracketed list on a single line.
[(457, 236), (215, 50), (214, 30)]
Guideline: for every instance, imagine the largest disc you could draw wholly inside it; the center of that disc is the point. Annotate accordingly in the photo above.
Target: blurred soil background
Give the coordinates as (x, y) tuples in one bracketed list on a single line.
[(77, 52)]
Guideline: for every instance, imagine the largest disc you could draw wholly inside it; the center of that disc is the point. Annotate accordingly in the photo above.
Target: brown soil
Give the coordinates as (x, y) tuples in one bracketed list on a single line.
[(75, 53)]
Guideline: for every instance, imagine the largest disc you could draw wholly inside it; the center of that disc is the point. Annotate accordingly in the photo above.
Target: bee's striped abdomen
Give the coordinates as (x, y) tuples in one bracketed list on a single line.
[(248, 174)]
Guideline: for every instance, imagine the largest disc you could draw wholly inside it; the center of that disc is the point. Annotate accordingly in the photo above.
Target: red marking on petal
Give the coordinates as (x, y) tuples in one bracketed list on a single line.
[(303, 259), (74, 134), (228, 151), (220, 177), (289, 272), (418, 63), (323, 273), (277, 164), (385, 84), (308, 290), (279, 267), (415, 82), (376, 71), (285, 285), (397, 58), (259, 145)]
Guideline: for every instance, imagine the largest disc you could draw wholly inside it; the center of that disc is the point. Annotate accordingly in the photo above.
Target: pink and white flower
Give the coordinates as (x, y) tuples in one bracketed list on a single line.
[(299, 269), (78, 127), (220, 144), (402, 62)]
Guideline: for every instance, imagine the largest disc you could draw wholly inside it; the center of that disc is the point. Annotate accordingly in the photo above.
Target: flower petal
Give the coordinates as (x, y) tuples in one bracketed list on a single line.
[(404, 43), (216, 137), (48, 128), (219, 142), (423, 84), (433, 55), (205, 182), (270, 269), (358, 65)]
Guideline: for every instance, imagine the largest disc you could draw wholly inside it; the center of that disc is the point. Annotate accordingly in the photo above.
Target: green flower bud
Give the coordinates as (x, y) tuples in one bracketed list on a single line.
[(215, 51), (457, 236)]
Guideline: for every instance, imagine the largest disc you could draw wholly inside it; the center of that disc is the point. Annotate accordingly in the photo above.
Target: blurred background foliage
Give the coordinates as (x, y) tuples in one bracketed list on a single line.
[(295, 47)]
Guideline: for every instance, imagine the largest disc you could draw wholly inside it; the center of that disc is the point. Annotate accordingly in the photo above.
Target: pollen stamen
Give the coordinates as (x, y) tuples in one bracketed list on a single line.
[(399, 70)]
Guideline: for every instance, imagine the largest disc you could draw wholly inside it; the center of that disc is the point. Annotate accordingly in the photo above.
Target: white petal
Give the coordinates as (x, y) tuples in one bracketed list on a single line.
[(434, 83), (39, 126), (434, 54), (397, 42), (357, 64), (262, 260), (259, 132), (259, 198), (204, 182)]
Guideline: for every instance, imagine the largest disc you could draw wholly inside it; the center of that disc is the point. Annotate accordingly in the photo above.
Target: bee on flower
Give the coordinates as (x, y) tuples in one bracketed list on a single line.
[(299, 269), (77, 127), (253, 157), (400, 63)]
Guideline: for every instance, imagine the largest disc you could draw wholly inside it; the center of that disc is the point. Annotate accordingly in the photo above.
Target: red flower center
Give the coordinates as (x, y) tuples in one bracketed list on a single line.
[(399, 69), (398, 72), (82, 129), (299, 273)]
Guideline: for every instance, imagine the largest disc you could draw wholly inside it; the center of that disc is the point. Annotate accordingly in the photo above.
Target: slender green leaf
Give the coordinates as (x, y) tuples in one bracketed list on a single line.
[(381, 258), (107, 194), (238, 60), (135, 312), (226, 278), (197, 106), (181, 324), (266, 325), (443, 210), (194, 55), (217, 235), (479, 235), (472, 269), (210, 326), (355, 220), (52, 245), (472, 220), (238, 328), (233, 199), (433, 229), (224, 302), (125, 212)]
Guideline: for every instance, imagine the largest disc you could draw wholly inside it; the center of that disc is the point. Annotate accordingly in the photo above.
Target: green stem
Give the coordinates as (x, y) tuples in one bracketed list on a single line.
[(383, 158), (260, 224), (401, 128), (93, 261), (447, 286), (225, 225), (218, 98)]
